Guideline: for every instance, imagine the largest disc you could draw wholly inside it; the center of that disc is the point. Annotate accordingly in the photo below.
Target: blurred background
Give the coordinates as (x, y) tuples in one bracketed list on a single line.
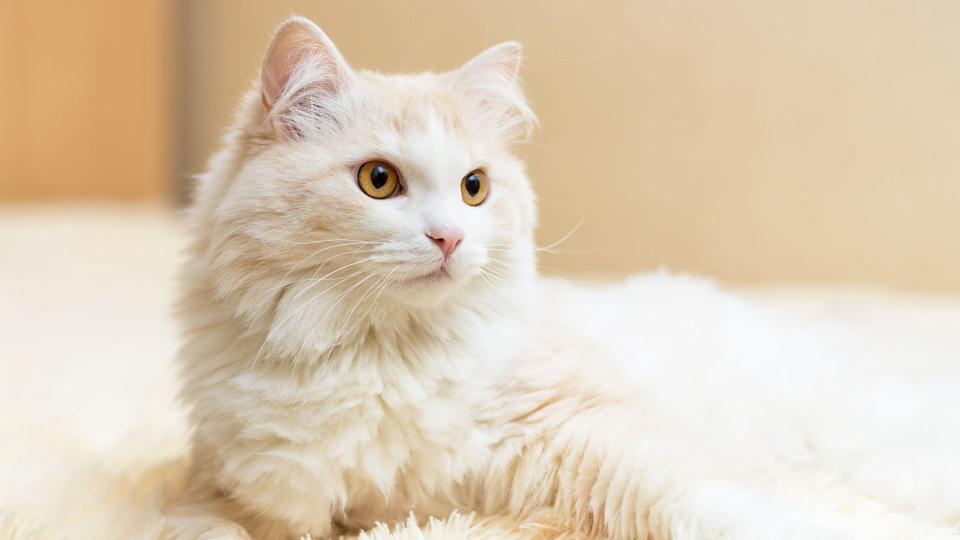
[(752, 141)]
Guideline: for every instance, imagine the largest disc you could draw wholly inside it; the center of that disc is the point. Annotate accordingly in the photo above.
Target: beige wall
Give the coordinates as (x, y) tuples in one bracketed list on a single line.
[(749, 140), (85, 99)]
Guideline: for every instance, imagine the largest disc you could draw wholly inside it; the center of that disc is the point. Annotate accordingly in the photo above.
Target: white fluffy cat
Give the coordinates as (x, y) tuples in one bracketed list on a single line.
[(367, 336)]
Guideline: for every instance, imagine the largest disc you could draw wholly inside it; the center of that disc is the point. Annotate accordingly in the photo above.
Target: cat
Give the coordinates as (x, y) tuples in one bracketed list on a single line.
[(366, 337)]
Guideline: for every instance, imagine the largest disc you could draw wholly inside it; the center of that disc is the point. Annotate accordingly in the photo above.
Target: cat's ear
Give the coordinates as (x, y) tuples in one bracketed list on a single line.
[(302, 67), (491, 80)]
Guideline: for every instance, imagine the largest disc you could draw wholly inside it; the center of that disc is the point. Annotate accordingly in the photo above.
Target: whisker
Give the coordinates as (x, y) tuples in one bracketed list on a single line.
[(348, 318), (347, 241), (328, 274), (290, 315), (486, 278), (380, 286), (553, 152), (330, 310), (562, 238), (283, 283), (338, 300)]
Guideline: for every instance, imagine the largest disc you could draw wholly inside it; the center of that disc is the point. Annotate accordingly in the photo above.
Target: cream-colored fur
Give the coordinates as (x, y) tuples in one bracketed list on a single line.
[(332, 385)]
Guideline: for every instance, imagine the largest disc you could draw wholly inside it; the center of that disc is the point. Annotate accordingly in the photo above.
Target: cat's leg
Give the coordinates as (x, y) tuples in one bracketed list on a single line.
[(201, 512), (205, 510), (634, 487), (257, 486), (609, 477)]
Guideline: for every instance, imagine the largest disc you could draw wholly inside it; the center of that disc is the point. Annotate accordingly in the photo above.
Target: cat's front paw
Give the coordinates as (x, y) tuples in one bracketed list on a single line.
[(225, 532), (198, 530)]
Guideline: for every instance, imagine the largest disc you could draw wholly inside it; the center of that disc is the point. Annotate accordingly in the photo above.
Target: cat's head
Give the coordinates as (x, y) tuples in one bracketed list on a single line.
[(350, 190)]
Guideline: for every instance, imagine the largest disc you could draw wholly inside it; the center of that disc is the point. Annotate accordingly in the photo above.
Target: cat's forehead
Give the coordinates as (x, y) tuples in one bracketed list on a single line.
[(414, 99), (420, 104), (421, 121)]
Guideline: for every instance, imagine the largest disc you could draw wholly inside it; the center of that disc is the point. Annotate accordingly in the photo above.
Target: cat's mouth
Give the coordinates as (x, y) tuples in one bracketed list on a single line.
[(440, 274)]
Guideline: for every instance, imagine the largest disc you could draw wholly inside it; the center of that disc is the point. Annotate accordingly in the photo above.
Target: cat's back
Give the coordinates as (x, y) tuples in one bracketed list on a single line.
[(666, 323), (768, 388), (659, 322)]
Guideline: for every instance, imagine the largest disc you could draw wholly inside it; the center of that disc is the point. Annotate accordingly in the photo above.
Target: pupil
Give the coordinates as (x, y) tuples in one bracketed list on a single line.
[(379, 177), (473, 184)]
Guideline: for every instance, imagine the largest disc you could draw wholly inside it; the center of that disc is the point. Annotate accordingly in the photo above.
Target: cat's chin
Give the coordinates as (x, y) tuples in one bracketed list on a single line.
[(439, 276), (429, 289)]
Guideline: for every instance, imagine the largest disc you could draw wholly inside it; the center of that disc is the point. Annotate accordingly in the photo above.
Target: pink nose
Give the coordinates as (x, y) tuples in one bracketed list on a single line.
[(447, 239)]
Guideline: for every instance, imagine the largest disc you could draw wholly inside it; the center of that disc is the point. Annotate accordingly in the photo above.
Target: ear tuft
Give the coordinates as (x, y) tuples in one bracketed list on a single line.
[(503, 58), (300, 60), (492, 81)]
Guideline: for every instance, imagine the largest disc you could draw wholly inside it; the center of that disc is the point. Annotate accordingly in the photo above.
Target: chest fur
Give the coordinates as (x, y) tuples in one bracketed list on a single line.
[(367, 433)]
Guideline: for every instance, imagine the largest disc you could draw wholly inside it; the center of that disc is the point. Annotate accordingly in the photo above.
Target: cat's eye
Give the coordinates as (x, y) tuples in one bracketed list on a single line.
[(474, 187), (378, 179)]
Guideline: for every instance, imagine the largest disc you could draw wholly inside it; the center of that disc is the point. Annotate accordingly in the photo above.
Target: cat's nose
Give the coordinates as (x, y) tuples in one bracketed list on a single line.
[(447, 239)]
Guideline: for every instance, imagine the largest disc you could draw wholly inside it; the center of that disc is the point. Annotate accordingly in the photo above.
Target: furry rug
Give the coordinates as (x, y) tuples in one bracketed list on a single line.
[(91, 436)]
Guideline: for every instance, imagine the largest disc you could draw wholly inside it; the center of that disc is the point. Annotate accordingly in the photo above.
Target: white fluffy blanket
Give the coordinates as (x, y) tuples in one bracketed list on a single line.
[(91, 437)]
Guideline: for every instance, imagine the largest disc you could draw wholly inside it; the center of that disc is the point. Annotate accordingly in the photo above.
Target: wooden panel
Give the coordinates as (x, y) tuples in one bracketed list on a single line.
[(85, 99)]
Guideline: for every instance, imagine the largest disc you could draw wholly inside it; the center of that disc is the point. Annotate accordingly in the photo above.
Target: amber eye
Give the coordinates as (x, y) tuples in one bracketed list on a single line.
[(378, 179), (474, 188)]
